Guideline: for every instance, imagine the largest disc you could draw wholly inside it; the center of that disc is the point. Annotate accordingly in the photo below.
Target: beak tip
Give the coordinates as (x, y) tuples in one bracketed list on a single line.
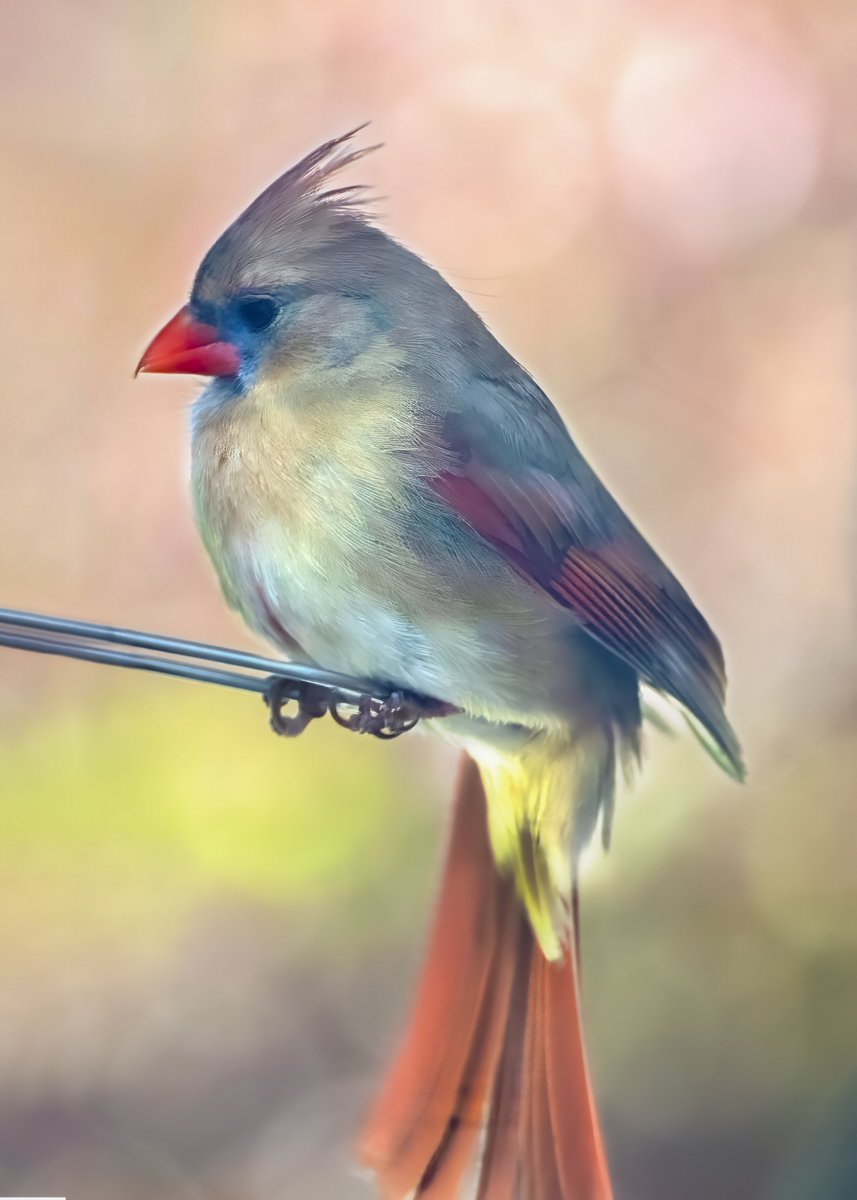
[(188, 347)]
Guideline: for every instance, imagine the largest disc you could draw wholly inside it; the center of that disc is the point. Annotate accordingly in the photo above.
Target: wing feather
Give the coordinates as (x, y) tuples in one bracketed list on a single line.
[(527, 490)]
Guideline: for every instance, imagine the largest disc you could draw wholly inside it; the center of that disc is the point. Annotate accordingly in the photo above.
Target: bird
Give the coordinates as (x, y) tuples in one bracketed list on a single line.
[(384, 490)]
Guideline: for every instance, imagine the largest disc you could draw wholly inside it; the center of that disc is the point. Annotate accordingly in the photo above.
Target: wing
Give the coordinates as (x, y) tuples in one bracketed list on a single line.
[(512, 472)]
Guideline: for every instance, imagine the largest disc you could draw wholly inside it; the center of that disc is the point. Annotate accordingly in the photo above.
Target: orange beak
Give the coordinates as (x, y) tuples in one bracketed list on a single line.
[(187, 347)]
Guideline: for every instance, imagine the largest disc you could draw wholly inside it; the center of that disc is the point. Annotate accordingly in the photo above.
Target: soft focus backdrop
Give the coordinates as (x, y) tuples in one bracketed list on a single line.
[(207, 937)]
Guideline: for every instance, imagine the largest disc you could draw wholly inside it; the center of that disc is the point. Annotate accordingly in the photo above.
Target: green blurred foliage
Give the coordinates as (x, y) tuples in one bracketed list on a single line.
[(106, 821)]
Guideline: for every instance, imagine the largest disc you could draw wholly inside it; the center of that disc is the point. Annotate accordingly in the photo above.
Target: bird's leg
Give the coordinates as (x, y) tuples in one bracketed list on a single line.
[(312, 702)]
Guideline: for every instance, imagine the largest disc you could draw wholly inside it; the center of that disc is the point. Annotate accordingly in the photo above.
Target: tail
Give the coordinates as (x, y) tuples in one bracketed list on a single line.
[(491, 1083)]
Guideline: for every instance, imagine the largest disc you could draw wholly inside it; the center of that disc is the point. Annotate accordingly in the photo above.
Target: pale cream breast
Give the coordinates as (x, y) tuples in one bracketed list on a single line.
[(303, 507), (298, 496), (296, 454)]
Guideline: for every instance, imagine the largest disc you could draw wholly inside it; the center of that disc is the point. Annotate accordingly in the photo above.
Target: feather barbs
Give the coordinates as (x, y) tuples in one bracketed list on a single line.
[(292, 218)]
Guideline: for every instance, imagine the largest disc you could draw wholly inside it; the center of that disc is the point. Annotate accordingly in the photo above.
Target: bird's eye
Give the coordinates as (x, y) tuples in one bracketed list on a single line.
[(257, 312)]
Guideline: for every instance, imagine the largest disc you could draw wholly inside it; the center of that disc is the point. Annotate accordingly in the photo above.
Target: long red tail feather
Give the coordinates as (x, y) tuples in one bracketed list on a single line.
[(492, 1075)]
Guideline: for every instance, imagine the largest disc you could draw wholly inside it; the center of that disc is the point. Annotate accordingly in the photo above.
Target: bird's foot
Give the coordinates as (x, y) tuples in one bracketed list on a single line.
[(382, 718), (386, 719), (312, 702)]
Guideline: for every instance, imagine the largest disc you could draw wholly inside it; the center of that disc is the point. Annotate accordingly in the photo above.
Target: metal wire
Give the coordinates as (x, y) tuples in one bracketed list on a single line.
[(92, 642), (66, 631)]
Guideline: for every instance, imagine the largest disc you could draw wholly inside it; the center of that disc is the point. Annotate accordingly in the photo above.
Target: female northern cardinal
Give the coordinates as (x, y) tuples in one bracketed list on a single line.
[(381, 485)]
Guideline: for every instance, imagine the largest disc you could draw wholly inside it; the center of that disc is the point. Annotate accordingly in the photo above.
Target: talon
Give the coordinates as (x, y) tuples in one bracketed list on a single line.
[(398, 715), (310, 698), (369, 716), (364, 720), (333, 708), (385, 719), (369, 719)]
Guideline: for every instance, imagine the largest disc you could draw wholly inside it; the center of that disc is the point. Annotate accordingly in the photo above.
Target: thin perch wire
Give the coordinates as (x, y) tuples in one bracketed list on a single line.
[(276, 680)]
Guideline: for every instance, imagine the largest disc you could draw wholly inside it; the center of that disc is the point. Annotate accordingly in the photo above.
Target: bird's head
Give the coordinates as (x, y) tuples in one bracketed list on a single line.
[(295, 279)]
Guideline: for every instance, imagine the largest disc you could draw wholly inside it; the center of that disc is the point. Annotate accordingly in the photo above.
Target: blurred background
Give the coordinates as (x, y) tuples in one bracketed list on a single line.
[(208, 937)]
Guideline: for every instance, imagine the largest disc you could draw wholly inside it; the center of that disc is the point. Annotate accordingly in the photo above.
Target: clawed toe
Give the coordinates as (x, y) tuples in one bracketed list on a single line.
[(386, 719), (310, 698), (381, 718), (399, 714)]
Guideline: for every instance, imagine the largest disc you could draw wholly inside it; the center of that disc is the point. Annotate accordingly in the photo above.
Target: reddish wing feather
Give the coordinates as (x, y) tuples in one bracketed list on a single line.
[(614, 598), (606, 584), (613, 583), (479, 509)]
